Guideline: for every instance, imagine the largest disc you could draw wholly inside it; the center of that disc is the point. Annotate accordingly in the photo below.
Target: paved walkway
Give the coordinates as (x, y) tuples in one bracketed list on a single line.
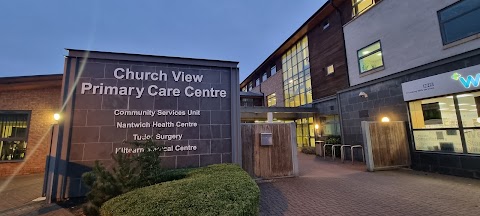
[(18, 195), (332, 188)]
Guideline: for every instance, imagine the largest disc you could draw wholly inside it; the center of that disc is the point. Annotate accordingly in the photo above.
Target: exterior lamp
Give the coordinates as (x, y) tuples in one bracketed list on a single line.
[(316, 126), (385, 119), (56, 116)]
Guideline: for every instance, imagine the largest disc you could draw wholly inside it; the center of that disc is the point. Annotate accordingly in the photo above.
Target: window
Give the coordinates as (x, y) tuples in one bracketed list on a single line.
[(459, 20), (271, 100), (330, 69), (257, 82), (244, 88), (250, 86), (13, 135), (264, 77), (273, 70), (360, 6), (440, 124), (305, 132), (326, 24), (297, 84), (370, 57)]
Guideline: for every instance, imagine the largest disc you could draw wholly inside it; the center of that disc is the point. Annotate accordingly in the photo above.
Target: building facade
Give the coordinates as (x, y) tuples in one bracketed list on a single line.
[(421, 69), (27, 106), (306, 71)]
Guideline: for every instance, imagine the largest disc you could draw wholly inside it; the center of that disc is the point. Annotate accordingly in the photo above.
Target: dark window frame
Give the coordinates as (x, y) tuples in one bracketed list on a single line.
[(272, 71), (25, 139), (270, 97), (460, 128), (442, 22), (326, 24), (355, 11), (369, 54)]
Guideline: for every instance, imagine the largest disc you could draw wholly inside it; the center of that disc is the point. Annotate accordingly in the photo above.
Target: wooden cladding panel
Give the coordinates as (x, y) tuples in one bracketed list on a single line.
[(389, 144), (326, 47), (267, 161)]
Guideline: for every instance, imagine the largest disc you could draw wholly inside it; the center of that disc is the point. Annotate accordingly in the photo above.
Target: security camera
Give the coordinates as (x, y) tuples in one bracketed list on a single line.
[(363, 95)]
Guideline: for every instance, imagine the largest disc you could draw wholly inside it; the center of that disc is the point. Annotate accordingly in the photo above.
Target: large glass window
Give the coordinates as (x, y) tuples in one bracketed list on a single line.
[(330, 125), (272, 100), (13, 135), (305, 132), (440, 124), (296, 75), (370, 57), (360, 6), (460, 20)]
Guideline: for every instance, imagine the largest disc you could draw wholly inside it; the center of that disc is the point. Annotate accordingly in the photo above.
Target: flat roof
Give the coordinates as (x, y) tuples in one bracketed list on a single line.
[(30, 82), (78, 53)]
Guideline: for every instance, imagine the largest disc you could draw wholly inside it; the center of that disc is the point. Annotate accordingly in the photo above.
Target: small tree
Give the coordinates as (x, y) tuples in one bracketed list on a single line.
[(130, 171)]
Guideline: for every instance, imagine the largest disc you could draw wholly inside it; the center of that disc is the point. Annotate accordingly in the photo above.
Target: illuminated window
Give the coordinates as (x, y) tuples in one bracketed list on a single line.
[(305, 132), (436, 127), (296, 75), (370, 57), (273, 70), (330, 69), (271, 100), (360, 6), (459, 20), (13, 135)]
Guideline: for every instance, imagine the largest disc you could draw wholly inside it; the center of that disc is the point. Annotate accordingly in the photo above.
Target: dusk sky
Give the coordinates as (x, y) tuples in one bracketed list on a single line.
[(35, 33)]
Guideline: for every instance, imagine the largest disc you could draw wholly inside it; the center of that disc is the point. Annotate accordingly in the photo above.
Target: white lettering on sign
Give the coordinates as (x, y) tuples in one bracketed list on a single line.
[(152, 90)]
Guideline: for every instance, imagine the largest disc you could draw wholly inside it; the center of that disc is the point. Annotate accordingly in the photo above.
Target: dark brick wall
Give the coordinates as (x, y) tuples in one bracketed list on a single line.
[(327, 107), (385, 98), (95, 135), (42, 103)]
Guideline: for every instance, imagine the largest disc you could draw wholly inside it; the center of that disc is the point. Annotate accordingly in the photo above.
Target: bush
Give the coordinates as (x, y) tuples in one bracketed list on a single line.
[(333, 139), (308, 150), (129, 172), (222, 189)]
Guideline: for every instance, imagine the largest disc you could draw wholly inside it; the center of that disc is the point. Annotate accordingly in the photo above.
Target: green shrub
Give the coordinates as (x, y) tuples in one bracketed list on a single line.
[(130, 171), (333, 139), (308, 150), (222, 189)]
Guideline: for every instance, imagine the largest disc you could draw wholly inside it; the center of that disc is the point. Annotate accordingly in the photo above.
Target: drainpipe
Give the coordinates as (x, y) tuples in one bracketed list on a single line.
[(342, 22)]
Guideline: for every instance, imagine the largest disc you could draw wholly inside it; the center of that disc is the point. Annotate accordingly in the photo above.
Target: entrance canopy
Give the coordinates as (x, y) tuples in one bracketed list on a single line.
[(251, 114)]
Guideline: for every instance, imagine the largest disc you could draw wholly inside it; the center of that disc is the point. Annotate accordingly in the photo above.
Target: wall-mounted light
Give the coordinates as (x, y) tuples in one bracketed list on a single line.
[(317, 126), (56, 116), (385, 119)]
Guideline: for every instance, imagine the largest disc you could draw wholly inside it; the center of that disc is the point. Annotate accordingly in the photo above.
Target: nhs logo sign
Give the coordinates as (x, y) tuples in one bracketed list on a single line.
[(451, 82), (469, 81)]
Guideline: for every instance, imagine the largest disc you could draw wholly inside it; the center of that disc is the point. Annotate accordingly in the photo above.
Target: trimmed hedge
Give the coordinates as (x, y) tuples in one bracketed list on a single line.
[(221, 189)]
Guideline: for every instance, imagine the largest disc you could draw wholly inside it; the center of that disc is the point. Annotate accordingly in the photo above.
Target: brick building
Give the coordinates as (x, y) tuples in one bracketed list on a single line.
[(306, 72), (27, 106)]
